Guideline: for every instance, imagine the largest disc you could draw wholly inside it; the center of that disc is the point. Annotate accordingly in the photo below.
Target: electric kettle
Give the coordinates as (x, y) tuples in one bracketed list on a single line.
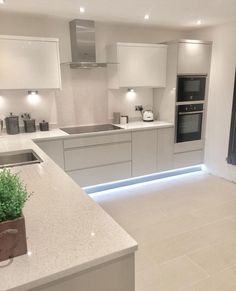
[(148, 115)]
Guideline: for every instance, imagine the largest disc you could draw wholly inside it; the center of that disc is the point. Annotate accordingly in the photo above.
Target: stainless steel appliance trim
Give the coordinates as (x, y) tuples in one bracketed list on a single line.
[(191, 112)]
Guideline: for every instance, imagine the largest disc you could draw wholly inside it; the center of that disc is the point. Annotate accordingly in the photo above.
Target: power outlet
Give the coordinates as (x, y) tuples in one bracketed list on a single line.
[(138, 107)]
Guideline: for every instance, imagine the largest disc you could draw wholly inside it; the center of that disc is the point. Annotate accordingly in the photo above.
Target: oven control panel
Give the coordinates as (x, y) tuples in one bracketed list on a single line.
[(190, 107)]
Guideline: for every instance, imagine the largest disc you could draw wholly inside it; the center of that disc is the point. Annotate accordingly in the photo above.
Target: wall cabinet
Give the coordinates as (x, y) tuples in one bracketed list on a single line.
[(138, 65), (29, 63), (194, 58)]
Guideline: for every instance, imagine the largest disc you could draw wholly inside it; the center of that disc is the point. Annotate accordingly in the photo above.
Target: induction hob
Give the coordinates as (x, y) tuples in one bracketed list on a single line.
[(90, 128)]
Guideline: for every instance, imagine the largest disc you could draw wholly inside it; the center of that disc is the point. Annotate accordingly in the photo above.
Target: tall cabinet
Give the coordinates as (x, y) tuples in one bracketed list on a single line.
[(184, 57)]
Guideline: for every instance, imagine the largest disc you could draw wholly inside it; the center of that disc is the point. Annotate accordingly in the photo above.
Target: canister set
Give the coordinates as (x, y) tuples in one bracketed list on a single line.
[(13, 126)]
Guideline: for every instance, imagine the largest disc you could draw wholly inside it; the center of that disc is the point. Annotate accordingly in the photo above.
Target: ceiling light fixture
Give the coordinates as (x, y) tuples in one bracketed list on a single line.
[(146, 16), (82, 9), (199, 22), (2, 1)]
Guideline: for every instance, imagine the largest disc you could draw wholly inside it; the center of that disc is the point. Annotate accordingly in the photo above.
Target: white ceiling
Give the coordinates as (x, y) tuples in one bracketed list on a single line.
[(169, 13)]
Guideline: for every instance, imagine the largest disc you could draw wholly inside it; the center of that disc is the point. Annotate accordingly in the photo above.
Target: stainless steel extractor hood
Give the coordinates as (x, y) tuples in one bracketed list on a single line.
[(83, 46)]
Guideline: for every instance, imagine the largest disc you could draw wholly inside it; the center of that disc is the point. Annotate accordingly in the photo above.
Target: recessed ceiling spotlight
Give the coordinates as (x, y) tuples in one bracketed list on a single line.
[(2, 1), (146, 16), (82, 9), (199, 22)]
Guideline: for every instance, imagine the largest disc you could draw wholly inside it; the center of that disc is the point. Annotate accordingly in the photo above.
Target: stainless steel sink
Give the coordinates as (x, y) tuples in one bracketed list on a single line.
[(19, 158)]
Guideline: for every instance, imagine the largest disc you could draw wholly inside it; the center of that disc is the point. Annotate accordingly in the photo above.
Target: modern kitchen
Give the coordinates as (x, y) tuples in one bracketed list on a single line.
[(117, 146)]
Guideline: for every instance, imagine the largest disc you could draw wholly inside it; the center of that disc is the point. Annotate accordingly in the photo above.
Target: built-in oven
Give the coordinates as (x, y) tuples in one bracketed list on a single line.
[(189, 122), (191, 88)]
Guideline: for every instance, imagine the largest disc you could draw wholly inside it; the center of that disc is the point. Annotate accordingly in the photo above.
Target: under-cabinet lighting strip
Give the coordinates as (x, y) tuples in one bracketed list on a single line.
[(141, 179)]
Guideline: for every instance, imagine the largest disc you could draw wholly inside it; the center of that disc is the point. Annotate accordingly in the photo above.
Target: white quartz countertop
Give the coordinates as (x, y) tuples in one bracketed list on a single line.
[(140, 125), (132, 126), (67, 232)]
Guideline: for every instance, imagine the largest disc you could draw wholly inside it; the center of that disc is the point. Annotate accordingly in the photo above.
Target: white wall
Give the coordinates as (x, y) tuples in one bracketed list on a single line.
[(84, 98), (220, 97)]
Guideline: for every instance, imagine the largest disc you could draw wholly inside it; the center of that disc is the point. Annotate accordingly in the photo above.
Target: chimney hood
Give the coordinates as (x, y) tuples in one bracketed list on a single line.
[(83, 46)]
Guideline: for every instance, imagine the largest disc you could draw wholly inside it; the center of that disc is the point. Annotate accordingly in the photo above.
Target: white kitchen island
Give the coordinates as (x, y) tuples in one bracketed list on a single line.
[(73, 244)]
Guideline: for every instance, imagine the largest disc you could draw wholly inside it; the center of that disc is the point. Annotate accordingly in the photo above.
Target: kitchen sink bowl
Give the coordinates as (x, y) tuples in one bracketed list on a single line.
[(19, 158)]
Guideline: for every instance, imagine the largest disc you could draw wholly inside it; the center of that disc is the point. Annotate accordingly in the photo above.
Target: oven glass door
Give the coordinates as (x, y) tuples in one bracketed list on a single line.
[(189, 126), (191, 88)]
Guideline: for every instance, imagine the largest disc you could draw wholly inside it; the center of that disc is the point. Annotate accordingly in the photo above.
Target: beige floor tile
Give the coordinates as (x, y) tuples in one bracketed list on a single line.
[(197, 240), (172, 276), (169, 227), (176, 274), (184, 226), (222, 281), (211, 214), (176, 246), (216, 257)]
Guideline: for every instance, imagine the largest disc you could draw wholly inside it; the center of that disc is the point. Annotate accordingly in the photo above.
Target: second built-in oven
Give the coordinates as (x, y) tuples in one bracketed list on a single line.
[(189, 122)]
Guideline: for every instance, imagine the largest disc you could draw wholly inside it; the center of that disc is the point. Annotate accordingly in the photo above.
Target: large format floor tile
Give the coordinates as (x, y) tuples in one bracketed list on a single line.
[(186, 230)]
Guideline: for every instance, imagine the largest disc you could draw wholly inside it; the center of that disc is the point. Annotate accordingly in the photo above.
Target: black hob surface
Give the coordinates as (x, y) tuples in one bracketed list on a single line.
[(90, 128)]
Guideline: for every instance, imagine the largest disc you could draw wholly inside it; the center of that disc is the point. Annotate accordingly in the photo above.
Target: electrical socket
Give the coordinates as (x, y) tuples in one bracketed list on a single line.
[(138, 107)]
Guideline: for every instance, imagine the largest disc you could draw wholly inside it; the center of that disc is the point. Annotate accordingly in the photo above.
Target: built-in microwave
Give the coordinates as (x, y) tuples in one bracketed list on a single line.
[(191, 88)]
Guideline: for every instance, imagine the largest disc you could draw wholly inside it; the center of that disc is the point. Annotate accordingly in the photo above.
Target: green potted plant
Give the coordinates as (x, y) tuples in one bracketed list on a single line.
[(13, 195)]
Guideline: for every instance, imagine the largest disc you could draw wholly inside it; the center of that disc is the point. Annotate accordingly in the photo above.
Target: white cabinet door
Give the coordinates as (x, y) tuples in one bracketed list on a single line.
[(144, 152), (29, 63), (54, 149), (194, 58), (139, 65), (165, 149), (101, 174)]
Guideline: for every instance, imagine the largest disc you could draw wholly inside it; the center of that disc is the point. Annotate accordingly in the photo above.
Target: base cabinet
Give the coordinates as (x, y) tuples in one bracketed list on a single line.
[(187, 159), (116, 275), (165, 149), (106, 158), (103, 174), (144, 152), (54, 149)]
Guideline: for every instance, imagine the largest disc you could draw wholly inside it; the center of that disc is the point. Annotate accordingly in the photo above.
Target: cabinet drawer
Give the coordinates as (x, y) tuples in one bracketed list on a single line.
[(88, 157), (103, 174), (96, 140), (188, 159)]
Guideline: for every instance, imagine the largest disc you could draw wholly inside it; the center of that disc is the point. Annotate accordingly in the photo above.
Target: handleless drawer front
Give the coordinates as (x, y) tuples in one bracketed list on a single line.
[(187, 159), (96, 140), (88, 157), (103, 174)]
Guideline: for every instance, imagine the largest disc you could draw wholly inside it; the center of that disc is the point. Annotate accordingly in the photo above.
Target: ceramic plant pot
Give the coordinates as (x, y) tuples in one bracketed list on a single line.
[(12, 238)]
